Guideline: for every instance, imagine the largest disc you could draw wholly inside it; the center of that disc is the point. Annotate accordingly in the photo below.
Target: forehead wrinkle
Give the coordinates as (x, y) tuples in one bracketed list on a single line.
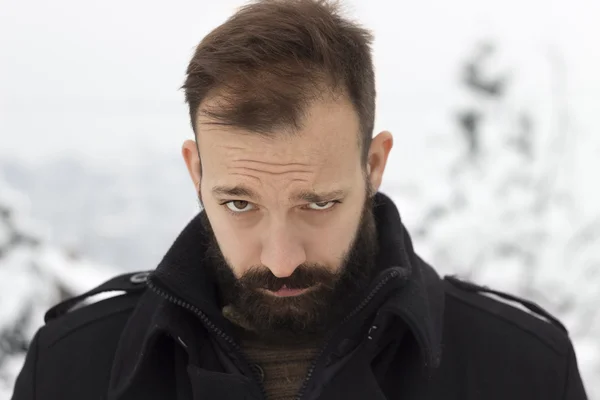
[(257, 179), (291, 164), (230, 147), (246, 176), (274, 173)]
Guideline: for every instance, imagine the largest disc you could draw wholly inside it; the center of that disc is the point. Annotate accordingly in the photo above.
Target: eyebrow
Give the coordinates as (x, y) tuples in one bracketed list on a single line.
[(235, 191), (313, 197), (304, 195)]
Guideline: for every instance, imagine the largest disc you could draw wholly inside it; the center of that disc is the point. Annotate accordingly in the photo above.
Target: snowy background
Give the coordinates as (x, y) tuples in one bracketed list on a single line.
[(494, 106)]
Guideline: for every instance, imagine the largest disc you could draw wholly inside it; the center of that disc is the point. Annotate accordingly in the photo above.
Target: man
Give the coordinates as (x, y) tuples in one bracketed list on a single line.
[(298, 279)]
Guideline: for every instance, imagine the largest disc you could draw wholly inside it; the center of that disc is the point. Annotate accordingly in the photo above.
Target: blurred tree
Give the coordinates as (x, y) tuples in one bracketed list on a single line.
[(33, 277), (507, 221)]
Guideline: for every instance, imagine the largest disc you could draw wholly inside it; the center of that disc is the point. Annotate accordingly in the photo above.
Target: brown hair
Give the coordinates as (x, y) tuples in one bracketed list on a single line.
[(272, 58)]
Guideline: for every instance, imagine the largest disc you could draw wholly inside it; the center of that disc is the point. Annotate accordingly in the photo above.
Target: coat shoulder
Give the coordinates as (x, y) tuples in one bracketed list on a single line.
[(77, 314), (507, 313)]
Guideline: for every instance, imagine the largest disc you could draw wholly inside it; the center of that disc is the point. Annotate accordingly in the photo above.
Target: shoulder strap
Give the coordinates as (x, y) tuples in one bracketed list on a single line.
[(130, 283), (531, 306)]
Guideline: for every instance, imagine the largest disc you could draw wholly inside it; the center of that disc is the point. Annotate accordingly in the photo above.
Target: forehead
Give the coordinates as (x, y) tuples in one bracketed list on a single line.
[(327, 141)]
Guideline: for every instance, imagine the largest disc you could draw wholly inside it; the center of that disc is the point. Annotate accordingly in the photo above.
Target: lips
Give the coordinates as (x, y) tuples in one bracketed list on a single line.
[(287, 292)]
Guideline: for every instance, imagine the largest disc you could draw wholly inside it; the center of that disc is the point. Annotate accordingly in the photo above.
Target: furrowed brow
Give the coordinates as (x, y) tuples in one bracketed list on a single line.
[(235, 191), (315, 197)]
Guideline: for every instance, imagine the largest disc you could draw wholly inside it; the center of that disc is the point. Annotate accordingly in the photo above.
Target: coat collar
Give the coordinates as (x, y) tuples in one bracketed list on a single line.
[(416, 297)]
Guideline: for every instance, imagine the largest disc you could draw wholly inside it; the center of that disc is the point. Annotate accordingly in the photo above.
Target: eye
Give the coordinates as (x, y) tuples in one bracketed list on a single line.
[(239, 206), (322, 206)]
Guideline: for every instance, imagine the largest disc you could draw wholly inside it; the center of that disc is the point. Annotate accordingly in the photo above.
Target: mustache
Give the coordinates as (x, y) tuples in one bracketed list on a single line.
[(304, 276)]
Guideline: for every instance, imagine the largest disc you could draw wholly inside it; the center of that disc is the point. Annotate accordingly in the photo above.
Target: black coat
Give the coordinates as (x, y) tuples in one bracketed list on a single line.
[(413, 336)]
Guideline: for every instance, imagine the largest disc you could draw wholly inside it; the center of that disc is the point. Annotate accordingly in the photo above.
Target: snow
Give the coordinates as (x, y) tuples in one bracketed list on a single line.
[(504, 211), (33, 277), (124, 213)]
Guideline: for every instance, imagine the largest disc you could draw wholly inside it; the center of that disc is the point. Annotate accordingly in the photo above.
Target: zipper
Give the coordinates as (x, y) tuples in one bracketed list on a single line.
[(209, 325), (384, 281)]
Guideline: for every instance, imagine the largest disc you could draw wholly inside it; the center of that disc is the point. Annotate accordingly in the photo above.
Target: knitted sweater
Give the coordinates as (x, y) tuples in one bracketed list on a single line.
[(282, 367)]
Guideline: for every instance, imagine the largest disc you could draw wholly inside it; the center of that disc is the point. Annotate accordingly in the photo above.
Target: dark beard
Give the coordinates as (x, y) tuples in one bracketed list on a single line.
[(308, 315)]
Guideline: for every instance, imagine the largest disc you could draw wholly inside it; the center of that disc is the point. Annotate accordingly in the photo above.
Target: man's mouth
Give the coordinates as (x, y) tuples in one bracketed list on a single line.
[(284, 291)]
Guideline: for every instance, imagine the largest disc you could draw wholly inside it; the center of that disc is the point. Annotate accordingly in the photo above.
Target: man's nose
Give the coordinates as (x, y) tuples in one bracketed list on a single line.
[(282, 251)]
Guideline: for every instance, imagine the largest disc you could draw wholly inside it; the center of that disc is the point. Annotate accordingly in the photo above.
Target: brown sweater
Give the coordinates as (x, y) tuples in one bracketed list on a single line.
[(283, 367)]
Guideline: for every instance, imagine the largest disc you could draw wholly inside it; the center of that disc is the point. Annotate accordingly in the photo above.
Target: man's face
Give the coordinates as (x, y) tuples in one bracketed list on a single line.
[(315, 298), (290, 216)]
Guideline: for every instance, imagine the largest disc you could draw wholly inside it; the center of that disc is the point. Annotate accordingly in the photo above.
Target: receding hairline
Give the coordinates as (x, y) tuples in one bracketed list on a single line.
[(222, 102), (208, 109)]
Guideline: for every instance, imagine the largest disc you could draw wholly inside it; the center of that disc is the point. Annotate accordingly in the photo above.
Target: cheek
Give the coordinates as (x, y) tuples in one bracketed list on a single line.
[(330, 243), (236, 245)]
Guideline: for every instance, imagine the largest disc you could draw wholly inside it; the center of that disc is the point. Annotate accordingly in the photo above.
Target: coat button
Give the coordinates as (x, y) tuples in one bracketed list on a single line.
[(371, 332), (259, 372), (140, 277)]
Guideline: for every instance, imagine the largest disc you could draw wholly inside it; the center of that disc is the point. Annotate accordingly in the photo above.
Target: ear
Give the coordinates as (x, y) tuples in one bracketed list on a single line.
[(189, 151), (380, 148)]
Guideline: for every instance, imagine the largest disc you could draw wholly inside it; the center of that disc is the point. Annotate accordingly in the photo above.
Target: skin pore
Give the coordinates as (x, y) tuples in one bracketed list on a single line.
[(280, 207)]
